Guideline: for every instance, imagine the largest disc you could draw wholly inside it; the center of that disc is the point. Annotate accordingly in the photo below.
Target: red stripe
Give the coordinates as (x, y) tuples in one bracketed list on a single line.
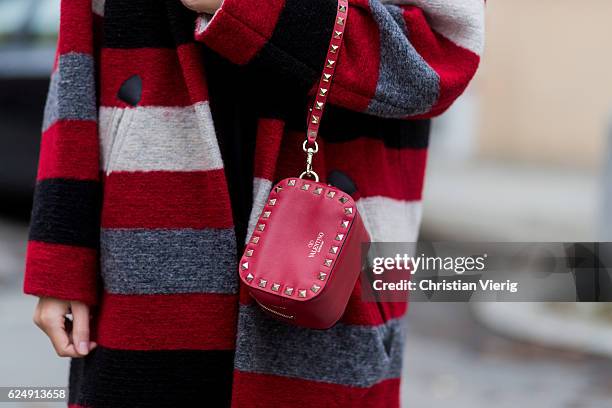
[(267, 146), (358, 61), (190, 57), (241, 28), (168, 322), (359, 312), (61, 271), (70, 149), (165, 199), (168, 75), (76, 27), (455, 65), (262, 390), (375, 169)]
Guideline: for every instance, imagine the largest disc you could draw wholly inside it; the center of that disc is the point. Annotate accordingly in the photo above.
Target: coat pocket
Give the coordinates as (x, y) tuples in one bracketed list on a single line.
[(114, 130)]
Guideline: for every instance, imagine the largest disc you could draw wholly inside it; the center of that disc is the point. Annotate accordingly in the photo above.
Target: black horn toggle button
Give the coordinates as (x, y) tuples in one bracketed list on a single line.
[(130, 91), (342, 181)]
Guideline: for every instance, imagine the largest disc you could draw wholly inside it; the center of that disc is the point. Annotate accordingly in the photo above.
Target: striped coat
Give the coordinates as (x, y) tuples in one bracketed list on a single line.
[(163, 134)]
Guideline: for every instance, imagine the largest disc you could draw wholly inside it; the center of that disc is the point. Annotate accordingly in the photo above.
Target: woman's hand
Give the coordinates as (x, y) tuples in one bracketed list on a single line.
[(203, 6), (68, 341)]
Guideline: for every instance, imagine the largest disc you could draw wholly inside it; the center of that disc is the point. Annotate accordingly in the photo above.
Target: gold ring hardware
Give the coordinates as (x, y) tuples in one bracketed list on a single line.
[(308, 149), (310, 152), (311, 174)]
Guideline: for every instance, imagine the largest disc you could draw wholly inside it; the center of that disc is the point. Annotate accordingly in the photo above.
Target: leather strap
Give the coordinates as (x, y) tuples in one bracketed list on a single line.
[(320, 100)]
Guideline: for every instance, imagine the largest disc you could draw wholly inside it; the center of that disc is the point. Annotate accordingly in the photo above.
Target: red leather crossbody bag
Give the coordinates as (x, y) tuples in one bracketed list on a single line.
[(304, 257)]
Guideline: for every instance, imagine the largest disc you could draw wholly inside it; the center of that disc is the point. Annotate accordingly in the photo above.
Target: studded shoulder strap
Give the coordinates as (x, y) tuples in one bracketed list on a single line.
[(320, 99)]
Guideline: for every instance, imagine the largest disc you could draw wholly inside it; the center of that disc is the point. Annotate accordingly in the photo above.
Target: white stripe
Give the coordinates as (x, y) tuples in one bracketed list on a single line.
[(159, 138), (389, 220), (98, 7), (261, 190), (462, 22)]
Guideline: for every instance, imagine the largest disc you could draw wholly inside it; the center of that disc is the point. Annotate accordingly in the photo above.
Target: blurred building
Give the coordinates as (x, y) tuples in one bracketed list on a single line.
[(520, 156), (545, 87)]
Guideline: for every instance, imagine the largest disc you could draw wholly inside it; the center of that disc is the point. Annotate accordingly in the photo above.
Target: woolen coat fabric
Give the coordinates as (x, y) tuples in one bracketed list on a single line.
[(163, 134)]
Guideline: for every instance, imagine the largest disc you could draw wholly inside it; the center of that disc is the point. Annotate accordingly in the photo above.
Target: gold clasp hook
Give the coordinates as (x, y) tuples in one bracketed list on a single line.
[(310, 152)]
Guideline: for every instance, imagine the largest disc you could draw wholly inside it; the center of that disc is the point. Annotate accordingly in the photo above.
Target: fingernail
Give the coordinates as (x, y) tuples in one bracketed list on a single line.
[(83, 347)]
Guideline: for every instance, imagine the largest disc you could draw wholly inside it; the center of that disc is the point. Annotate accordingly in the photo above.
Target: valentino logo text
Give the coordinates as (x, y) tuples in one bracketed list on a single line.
[(316, 245)]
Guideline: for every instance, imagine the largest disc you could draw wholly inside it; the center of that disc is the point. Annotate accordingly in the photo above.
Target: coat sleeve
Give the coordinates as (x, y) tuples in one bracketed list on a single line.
[(401, 58), (62, 252)]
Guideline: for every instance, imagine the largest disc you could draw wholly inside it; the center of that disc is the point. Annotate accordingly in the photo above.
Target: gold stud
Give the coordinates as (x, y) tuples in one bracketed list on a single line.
[(254, 240), (337, 34), (315, 288), (343, 200), (278, 189), (340, 20), (302, 293), (250, 277), (272, 202), (330, 63), (322, 276), (261, 227), (334, 49), (263, 283), (348, 210), (326, 77), (327, 262), (322, 91), (315, 119), (342, 8), (291, 183), (305, 187), (288, 291), (245, 266), (344, 224), (339, 237), (318, 190), (249, 252), (331, 194), (319, 105), (266, 214), (276, 287), (333, 250)]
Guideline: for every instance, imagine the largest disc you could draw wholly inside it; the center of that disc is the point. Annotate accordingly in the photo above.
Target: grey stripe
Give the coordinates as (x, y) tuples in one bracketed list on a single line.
[(407, 85), (348, 355), (138, 261), (72, 93)]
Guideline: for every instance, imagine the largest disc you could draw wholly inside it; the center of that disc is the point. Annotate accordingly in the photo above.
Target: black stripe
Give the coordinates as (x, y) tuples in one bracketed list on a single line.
[(181, 378), (342, 125), (66, 212), (293, 57), (147, 24)]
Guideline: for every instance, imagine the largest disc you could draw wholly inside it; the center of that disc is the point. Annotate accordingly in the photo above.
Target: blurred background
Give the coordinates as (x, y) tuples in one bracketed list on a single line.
[(525, 155)]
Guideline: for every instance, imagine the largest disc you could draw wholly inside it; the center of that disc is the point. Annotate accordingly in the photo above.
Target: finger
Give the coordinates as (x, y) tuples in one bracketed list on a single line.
[(36, 317), (44, 312), (60, 341), (80, 327)]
